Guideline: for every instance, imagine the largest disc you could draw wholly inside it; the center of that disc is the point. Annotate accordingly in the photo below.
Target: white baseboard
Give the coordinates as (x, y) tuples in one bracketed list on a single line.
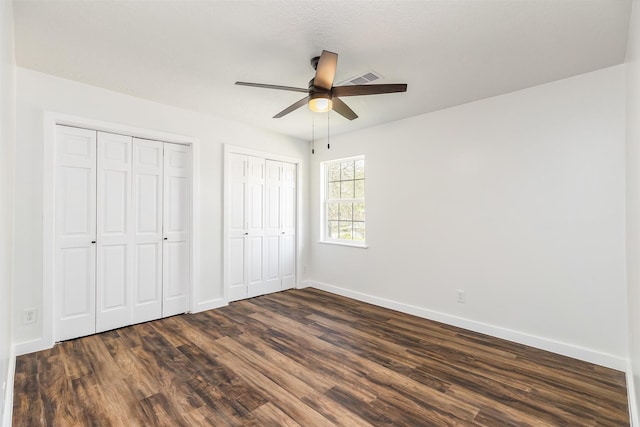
[(32, 346), (585, 354), (210, 305), (8, 396), (634, 416), (39, 344), (304, 284)]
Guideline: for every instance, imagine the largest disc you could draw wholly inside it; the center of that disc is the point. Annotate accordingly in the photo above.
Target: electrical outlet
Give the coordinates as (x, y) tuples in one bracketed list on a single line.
[(29, 316), (460, 296)]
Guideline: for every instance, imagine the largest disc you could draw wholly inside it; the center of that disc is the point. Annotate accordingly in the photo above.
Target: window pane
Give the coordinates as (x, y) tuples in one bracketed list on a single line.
[(346, 190), (359, 169), (358, 231), (345, 230), (347, 170), (334, 190), (334, 172), (345, 200), (346, 212), (359, 189), (332, 211), (333, 230), (358, 211)]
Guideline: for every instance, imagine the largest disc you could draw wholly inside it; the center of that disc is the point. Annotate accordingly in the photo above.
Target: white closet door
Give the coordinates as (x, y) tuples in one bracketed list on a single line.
[(288, 229), (273, 222), (147, 225), (255, 241), (75, 222), (236, 175), (114, 233), (177, 229)]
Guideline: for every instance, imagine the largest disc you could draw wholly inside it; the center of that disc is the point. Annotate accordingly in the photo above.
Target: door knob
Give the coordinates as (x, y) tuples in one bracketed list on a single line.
[(165, 238), (246, 234), (93, 241)]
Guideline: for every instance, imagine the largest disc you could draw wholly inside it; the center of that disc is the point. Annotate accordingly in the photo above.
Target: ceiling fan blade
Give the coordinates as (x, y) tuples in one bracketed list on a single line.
[(368, 89), (294, 89), (326, 70), (343, 109), (292, 107)]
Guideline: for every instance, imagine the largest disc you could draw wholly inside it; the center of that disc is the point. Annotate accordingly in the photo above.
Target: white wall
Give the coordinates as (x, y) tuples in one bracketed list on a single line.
[(37, 92), (518, 200), (633, 207), (7, 147)]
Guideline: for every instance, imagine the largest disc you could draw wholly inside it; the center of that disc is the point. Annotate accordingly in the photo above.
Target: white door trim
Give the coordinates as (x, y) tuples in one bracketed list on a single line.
[(51, 119), (228, 149)]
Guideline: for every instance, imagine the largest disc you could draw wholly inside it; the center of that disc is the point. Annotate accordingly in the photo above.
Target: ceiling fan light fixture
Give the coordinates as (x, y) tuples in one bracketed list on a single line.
[(320, 103)]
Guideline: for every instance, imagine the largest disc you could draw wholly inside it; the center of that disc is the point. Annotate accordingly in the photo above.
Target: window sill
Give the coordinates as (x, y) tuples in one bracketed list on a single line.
[(352, 245)]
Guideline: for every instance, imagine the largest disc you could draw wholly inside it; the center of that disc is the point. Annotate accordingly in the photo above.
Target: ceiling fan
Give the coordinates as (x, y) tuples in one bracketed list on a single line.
[(322, 96)]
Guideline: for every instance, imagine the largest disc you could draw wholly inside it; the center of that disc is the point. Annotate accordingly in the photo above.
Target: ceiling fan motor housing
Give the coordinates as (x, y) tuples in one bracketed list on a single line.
[(314, 62)]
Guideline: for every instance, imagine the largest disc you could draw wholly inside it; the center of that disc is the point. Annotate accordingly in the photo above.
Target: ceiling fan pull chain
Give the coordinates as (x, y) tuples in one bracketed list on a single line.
[(313, 134), (328, 129)]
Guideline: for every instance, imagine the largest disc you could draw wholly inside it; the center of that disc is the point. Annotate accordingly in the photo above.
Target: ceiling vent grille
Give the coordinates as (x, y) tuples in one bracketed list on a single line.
[(362, 79)]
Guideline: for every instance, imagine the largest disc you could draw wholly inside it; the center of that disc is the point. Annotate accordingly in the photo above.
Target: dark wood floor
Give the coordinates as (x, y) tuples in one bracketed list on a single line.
[(309, 358)]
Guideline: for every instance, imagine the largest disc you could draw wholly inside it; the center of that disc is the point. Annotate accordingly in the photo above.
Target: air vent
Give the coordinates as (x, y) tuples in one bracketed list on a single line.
[(361, 79)]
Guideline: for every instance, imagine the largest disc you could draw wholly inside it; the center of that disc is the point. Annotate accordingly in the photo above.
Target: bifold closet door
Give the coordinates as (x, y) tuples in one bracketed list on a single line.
[(261, 226), (148, 166), (177, 229), (122, 231), (246, 234), (114, 233), (75, 233)]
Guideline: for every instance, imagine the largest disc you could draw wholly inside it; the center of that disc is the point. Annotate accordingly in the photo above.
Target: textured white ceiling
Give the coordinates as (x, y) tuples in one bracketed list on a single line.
[(190, 53)]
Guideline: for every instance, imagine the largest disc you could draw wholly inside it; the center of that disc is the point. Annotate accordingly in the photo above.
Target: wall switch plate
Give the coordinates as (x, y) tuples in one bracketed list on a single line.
[(29, 316), (460, 297)]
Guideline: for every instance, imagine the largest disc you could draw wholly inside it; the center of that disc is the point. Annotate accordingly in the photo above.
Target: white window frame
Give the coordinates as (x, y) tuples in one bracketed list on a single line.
[(324, 202)]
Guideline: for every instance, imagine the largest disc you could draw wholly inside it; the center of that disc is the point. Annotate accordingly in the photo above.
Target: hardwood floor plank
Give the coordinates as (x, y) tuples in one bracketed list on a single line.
[(287, 401), (270, 415), (309, 358)]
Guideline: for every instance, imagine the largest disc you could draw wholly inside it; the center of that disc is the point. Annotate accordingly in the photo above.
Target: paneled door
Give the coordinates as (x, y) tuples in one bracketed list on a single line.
[(122, 231), (246, 234), (255, 232), (114, 232), (75, 233), (177, 229), (288, 227), (148, 166), (236, 174), (280, 232), (273, 222), (260, 247)]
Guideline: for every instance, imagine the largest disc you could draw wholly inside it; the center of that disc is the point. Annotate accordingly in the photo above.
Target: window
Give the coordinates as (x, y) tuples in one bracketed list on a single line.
[(344, 206)]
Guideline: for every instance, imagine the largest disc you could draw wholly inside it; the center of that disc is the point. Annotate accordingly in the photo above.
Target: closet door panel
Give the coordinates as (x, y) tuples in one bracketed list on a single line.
[(288, 233), (114, 232), (75, 232), (148, 165), (236, 264), (177, 229), (255, 241), (273, 222)]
